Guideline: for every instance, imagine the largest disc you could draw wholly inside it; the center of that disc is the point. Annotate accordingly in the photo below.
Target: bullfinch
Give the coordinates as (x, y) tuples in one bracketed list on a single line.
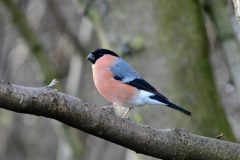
[(121, 84)]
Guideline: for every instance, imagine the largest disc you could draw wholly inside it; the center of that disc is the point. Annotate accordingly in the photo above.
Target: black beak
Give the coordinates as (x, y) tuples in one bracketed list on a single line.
[(90, 57)]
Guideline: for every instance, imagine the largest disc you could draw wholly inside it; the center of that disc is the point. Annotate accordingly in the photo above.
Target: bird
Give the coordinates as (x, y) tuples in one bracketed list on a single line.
[(118, 82)]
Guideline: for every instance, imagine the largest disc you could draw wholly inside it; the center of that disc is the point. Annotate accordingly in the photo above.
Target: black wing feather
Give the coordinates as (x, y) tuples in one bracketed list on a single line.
[(170, 104), (144, 85)]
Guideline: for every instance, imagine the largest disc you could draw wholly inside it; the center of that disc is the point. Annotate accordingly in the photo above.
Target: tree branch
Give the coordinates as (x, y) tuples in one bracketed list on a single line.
[(160, 143)]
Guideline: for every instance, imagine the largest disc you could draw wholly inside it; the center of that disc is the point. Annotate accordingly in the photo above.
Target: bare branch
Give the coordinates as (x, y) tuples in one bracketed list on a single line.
[(160, 143)]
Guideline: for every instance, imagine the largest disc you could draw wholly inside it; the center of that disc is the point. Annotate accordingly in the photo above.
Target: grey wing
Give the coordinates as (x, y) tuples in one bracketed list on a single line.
[(123, 71)]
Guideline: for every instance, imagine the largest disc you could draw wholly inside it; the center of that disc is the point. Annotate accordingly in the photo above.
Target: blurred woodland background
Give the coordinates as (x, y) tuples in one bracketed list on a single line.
[(189, 50)]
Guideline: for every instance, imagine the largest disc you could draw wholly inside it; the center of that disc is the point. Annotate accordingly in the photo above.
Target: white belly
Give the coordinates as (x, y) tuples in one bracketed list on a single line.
[(142, 98)]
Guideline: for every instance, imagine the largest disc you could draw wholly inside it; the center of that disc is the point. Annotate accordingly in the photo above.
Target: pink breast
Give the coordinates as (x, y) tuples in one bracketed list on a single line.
[(113, 90)]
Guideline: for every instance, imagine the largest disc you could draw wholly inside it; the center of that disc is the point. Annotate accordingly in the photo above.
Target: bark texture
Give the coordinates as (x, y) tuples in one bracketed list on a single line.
[(160, 143)]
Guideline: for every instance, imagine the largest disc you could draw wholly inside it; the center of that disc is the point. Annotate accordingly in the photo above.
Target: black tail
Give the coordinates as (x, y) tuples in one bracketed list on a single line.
[(174, 106), (164, 100)]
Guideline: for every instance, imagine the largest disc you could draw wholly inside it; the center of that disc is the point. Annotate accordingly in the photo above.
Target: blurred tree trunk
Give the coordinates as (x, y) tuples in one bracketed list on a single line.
[(226, 50), (39, 24), (184, 45), (20, 134), (175, 61), (229, 42)]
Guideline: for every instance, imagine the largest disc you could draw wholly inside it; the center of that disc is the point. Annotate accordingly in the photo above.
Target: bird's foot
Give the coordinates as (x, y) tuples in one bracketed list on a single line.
[(125, 114), (52, 84)]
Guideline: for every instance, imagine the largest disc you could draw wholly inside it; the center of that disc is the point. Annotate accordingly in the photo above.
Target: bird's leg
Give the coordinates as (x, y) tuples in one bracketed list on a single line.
[(125, 114), (52, 84)]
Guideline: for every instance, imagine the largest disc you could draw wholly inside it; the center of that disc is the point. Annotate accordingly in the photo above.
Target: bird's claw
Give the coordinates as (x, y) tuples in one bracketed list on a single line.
[(52, 84)]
